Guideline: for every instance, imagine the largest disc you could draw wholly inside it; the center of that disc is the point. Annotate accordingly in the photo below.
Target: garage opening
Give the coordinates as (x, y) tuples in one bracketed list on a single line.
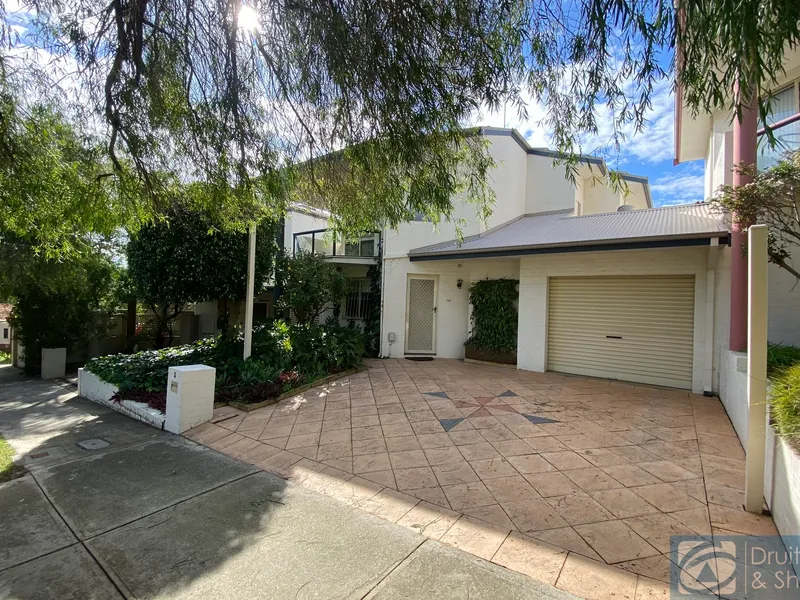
[(632, 328)]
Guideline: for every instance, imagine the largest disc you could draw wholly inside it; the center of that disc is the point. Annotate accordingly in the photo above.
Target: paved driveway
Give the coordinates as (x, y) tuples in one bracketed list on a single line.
[(138, 513), (557, 477)]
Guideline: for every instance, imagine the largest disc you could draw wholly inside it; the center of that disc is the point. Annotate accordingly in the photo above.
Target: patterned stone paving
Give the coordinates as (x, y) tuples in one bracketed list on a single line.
[(556, 477)]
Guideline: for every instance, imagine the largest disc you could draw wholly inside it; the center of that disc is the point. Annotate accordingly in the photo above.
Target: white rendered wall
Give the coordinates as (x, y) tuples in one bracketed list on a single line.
[(298, 222), (452, 317), (508, 179), (548, 187), (784, 305), (599, 198), (782, 463), (635, 195), (91, 387), (535, 271)]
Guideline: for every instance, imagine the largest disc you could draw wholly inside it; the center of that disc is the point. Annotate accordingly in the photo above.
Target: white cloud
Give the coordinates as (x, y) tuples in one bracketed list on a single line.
[(528, 124), (652, 145), (685, 185)]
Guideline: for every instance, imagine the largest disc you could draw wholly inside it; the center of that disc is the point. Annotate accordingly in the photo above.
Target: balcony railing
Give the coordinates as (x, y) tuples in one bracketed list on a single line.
[(787, 138), (325, 242)]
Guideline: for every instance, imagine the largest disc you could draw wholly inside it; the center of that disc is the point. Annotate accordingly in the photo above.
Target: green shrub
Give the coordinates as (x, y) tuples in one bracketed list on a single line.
[(148, 370), (318, 350), (780, 357), (5, 358), (494, 314), (310, 283), (785, 403), (283, 356)]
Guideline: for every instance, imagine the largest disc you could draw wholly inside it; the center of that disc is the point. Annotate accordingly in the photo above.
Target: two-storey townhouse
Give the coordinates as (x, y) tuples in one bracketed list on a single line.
[(608, 285)]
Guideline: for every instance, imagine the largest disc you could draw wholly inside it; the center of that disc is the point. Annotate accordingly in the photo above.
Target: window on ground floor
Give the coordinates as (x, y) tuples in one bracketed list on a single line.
[(357, 303)]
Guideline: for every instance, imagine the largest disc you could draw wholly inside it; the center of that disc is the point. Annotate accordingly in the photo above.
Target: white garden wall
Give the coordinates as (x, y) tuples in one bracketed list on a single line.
[(733, 390), (782, 464), (91, 387)]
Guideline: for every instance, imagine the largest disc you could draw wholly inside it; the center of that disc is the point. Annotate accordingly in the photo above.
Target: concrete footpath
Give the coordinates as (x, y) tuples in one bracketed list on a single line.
[(112, 508)]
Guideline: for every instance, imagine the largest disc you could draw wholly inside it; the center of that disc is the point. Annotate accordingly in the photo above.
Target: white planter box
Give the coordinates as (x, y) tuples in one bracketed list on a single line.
[(91, 387), (782, 485), (782, 464)]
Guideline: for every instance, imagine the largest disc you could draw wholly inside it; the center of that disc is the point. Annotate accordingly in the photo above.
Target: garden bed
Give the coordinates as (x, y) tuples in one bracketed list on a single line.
[(286, 360), (489, 356)]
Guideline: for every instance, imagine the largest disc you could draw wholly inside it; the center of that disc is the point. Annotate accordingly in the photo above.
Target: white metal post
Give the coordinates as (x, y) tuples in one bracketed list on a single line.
[(251, 278), (756, 367)]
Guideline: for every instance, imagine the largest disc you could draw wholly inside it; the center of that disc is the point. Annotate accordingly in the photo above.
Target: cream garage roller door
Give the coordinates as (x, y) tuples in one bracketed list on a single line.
[(632, 328)]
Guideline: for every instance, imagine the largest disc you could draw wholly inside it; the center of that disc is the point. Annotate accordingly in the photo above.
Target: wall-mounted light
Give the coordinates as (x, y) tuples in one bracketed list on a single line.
[(459, 283)]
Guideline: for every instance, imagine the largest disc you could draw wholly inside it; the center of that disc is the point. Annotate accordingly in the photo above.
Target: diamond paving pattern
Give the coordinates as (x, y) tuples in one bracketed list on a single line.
[(448, 424), (603, 469), (539, 420)]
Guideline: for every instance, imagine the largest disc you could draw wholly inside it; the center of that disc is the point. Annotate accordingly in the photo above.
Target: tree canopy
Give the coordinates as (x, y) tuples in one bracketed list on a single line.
[(772, 197), (362, 105), (311, 283), (187, 258)]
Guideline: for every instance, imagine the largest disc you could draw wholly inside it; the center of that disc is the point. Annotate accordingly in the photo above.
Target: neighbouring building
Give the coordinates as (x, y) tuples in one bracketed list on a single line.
[(710, 137), (5, 327)]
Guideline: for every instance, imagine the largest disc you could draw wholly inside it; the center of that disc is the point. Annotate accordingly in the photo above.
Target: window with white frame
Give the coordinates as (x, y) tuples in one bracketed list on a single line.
[(357, 303), (5, 333)]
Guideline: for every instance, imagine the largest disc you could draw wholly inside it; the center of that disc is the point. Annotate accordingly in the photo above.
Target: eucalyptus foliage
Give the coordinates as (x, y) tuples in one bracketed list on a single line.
[(495, 315), (773, 198), (363, 106), (52, 192)]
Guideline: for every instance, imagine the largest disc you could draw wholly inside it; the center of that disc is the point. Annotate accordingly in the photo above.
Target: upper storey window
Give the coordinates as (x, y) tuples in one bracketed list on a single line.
[(783, 104)]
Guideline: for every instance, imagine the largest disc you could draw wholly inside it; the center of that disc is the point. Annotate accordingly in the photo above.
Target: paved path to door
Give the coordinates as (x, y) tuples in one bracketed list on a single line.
[(147, 514), (578, 483)]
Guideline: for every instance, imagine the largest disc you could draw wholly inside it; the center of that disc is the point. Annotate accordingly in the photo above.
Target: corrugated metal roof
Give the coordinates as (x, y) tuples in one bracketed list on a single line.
[(558, 229)]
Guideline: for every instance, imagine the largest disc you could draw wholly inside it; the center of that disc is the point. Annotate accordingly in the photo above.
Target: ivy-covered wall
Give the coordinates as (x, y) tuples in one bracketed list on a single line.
[(494, 314)]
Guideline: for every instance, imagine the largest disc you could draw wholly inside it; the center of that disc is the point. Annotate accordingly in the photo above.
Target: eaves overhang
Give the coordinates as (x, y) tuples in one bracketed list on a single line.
[(704, 239)]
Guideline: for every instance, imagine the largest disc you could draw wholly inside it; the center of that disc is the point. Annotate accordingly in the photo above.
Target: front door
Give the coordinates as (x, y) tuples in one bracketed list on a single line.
[(421, 315)]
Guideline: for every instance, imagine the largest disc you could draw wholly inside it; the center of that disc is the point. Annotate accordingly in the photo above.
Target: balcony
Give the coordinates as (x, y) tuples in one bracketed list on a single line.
[(365, 248)]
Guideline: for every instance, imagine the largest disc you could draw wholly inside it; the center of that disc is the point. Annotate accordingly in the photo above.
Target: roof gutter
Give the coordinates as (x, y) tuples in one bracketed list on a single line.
[(704, 240)]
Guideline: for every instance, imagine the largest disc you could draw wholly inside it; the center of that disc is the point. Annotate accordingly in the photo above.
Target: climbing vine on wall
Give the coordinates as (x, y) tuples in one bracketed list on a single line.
[(494, 314), (372, 323)]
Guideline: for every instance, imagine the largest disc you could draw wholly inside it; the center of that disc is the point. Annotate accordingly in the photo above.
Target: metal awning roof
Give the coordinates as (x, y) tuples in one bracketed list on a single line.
[(692, 224)]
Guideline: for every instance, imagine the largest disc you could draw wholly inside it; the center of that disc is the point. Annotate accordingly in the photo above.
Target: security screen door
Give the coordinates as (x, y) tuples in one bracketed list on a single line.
[(421, 316)]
